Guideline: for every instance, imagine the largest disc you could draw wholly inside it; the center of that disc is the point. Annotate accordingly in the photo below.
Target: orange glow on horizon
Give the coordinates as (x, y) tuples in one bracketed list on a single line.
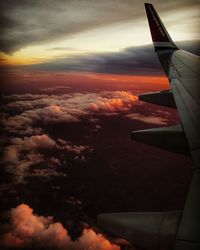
[(85, 79), (79, 82)]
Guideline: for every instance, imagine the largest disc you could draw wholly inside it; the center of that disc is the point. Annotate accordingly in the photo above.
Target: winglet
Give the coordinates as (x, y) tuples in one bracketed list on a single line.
[(159, 34)]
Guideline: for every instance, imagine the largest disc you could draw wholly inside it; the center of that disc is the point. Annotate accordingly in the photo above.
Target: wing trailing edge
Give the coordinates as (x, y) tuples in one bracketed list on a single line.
[(163, 98), (147, 230), (170, 138)]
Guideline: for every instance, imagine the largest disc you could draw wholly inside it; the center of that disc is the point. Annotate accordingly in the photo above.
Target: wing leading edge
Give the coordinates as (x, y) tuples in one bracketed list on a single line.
[(181, 231)]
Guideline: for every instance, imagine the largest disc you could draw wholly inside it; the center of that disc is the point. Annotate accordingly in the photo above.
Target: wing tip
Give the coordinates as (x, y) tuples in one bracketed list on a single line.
[(159, 34), (148, 4)]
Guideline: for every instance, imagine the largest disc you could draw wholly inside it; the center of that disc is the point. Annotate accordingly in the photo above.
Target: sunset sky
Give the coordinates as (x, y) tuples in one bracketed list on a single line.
[(71, 72), (35, 32)]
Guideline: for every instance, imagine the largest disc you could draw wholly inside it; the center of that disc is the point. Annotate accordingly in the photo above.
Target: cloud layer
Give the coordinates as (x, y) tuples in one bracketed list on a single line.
[(130, 61), (32, 22), (33, 110), (29, 150), (30, 230)]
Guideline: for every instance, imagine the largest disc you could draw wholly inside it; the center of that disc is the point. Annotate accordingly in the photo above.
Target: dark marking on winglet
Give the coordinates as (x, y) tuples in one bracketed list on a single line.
[(159, 34)]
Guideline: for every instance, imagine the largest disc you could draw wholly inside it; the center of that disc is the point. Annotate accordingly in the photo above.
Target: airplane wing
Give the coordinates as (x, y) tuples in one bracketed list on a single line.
[(178, 230)]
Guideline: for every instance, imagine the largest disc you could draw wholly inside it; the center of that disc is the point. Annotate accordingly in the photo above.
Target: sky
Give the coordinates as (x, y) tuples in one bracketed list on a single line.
[(35, 32), (71, 72)]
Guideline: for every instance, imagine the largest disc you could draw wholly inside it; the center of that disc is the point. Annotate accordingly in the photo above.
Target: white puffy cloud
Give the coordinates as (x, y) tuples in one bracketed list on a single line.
[(30, 230)]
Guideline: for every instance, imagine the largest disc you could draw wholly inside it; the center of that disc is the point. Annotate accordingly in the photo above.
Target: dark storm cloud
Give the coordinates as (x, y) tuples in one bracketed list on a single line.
[(133, 61), (130, 61), (29, 22)]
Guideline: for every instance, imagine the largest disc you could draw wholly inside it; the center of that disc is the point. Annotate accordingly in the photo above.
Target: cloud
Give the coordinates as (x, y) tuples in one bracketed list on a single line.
[(129, 61), (12, 153), (74, 148), (21, 154), (61, 108), (59, 19), (138, 60), (30, 230), (56, 89), (37, 141), (150, 119), (35, 22), (24, 119), (46, 172)]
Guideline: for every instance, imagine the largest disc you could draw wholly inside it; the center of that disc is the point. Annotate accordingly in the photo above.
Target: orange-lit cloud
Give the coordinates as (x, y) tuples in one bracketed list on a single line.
[(30, 230), (34, 109)]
